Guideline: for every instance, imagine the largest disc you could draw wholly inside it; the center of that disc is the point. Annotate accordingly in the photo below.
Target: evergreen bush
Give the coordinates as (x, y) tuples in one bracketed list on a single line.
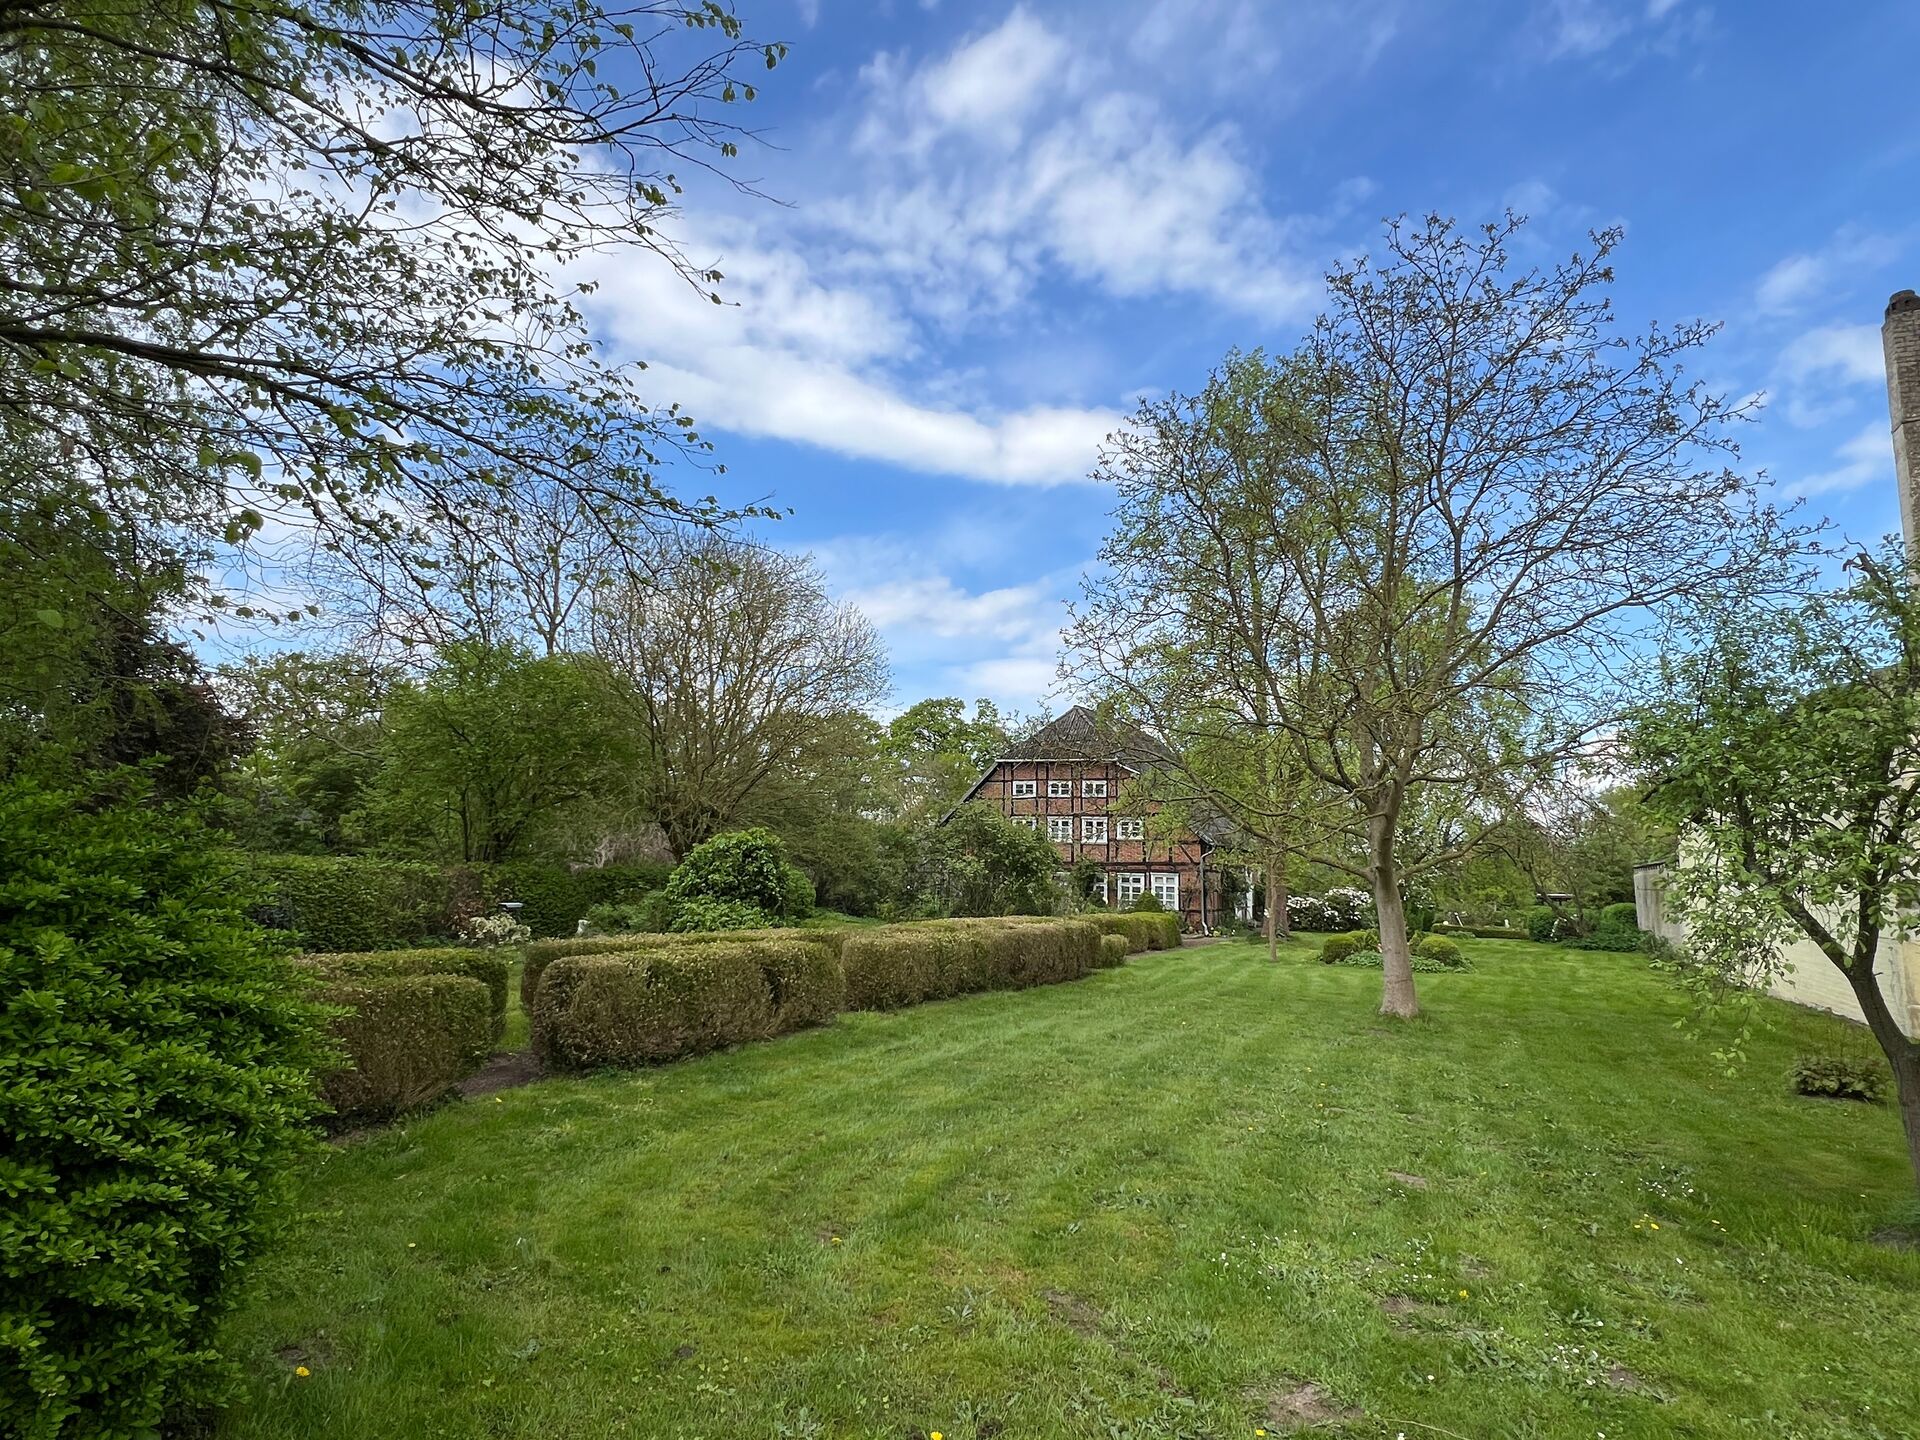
[(1114, 950), (489, 967), (408, 1039), (156, 1081)]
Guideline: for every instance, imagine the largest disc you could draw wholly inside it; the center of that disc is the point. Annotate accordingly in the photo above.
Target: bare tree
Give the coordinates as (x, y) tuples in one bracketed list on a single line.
[(735, 661), (1424, 548)]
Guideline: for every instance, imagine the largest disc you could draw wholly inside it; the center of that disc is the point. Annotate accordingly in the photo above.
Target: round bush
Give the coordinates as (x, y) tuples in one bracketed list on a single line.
[(1440, 951), (156, 1080), (1114, 950)]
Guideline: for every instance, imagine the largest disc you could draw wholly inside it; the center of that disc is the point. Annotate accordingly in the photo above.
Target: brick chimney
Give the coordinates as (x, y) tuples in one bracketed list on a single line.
[(1901, 335)]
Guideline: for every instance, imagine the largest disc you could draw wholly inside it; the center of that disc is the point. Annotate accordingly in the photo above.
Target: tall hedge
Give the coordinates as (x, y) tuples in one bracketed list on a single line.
[(156, 1082), (489, 967), (353, 903), (407, 1039)]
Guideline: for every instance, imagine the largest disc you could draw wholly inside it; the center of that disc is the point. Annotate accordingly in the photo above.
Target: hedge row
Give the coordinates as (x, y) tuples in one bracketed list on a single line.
[(1144, 930), (411, 1038), (644, 1007), (489, 967), (357, 903), (655, 998), (542, 953), (1484, 932), (1114, 950)]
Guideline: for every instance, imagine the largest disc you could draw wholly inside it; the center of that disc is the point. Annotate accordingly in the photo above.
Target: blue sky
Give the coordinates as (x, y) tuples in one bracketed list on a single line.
[(1001, 225)]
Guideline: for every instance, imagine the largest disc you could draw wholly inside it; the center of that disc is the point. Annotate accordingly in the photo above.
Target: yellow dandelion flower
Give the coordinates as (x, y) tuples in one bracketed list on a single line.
[(302, 1371), (934, 1436), (1463, 1294), (1653, 1224)]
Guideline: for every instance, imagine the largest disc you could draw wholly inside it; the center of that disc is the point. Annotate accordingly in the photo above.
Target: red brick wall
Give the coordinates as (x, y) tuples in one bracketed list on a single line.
[(1181, 855)]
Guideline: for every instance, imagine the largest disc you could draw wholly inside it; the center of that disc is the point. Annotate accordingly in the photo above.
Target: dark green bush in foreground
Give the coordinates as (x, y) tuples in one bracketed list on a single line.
[(408, 1040), (1840, 1077), (156, 1061)]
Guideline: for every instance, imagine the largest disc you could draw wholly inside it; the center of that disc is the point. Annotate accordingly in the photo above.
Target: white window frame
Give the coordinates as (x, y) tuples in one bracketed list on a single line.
[(1165, 885), (1025, 789), (1128, 887), (1059, 789), (1032, 822), (1130, 828), (1060, 829), (1101, 890), (1093, 829), (1096, 789)]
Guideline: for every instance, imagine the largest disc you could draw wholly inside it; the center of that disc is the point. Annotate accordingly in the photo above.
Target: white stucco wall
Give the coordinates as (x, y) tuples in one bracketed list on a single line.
[(1809, 977)]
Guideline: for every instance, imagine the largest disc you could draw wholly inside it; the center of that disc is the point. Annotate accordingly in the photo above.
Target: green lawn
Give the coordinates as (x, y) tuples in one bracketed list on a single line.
[(1154, 1203)]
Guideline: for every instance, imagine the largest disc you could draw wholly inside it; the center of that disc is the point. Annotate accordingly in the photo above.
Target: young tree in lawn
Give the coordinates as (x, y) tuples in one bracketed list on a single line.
[(1418, 549), (1787, 750), (734, 665)]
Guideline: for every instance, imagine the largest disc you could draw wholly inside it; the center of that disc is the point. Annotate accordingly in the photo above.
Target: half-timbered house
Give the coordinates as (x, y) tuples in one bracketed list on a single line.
[(1068, 781)]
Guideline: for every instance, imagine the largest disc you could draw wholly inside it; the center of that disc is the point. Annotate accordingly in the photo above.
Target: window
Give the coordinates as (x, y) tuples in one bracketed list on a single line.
[(1024, 789), (1059, 788), (1101, 889), (1166, 889), (1060, 828), (1093, 787), (1030, 821), (1129, 887), (1130, 830), (1093, 829)]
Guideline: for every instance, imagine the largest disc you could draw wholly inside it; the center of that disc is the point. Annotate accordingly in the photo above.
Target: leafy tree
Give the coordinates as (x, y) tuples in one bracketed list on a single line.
[(495, 746), (979, 862), (317, 755), (1785, 749), (936, 752), (88, 679), (1416, 548), (735, 667), (315, 260)]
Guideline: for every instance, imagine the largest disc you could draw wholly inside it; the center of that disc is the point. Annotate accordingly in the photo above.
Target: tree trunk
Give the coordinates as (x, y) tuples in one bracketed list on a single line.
[(1277, 890), (1396, 959), (1273, 924), (1903, 1055)]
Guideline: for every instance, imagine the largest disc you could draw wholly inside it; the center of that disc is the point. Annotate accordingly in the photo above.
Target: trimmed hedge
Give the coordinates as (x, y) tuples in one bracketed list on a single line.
[(542, 953), (648, 1006), (489, 967), (1483, 932), (409, 1039), (896, 965), (1114, 950), (1144, 931)]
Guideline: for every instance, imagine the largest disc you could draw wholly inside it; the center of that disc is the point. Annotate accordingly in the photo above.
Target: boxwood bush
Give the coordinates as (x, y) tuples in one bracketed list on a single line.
[(350, 903), (1335, 949), (408, 1040), (894, 965), (542, 953), (489, 967), (156, 1080), (1114, 950), (1143, 931)]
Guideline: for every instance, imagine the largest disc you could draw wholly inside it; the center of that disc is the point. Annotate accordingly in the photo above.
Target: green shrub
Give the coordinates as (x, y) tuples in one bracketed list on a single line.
[(1147, 903), (646, 1007), (1620, 919), (1114, 950), (895, 965), (1840, 1077), (409, 1039), (350, 903), (708, 912), (747, 869), (1335, 949), (556, 898), (1440, 951), (1484, 932), (804, 983), (489, 967), (156, 1082), (899, 965), (1373, 960), (1143, 931), (1541, 920)]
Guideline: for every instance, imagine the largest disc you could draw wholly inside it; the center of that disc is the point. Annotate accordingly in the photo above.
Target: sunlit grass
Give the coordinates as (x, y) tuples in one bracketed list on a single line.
[(1153, 1203)]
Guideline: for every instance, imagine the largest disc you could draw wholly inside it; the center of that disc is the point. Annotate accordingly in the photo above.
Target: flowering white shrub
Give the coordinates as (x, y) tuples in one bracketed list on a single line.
[(1307, 912), (1352, 908), (488, 931)]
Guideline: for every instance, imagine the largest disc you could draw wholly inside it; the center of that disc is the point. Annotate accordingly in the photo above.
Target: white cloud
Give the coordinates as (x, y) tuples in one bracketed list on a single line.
[(934, 604), (1800, 280), (1865, 459), (1821, 370)]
